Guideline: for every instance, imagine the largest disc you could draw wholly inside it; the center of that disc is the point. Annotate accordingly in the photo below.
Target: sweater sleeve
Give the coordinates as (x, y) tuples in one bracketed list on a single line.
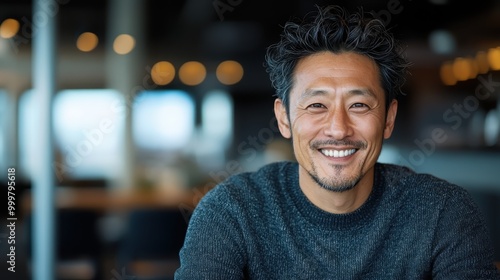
[(462, 245), (213, 247)]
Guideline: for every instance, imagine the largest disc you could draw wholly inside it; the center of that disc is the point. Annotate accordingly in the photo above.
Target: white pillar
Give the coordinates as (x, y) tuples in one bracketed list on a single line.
[(43, 73), (126, 73), (11, 130)]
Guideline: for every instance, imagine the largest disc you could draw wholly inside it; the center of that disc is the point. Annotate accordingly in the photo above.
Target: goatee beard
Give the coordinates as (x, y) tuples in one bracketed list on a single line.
[(329, 184), (339, 187)]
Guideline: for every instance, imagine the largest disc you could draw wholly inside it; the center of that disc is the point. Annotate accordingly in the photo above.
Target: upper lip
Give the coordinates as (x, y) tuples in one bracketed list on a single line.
[(337, 148), (337, 144)]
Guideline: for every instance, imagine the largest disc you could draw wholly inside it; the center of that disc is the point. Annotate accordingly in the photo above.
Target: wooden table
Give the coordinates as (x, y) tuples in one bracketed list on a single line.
[(102, 199)]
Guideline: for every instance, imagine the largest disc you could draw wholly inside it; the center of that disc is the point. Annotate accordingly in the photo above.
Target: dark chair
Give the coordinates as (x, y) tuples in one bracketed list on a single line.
[(151, 243), (78, 245)]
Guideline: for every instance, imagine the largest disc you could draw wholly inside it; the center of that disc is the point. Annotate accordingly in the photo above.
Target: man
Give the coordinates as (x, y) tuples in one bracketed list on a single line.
[(336, 213)]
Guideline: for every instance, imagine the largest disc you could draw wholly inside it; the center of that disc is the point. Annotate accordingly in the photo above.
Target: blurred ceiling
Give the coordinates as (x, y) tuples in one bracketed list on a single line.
[(213, 30)]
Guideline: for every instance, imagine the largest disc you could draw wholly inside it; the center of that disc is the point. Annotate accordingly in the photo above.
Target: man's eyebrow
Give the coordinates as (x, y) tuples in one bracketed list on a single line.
[(362, 91), (356, 91), (310, 92)]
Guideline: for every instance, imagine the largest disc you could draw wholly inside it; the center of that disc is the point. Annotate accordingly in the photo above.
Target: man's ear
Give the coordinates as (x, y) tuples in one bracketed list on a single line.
[(282, 118), (391, 118)]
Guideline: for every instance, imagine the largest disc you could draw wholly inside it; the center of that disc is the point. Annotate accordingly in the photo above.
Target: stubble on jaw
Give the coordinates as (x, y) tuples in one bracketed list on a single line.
[(330, 184)]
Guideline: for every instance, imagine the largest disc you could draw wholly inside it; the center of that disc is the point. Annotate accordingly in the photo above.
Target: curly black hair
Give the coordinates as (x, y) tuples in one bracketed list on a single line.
[(334, 29)]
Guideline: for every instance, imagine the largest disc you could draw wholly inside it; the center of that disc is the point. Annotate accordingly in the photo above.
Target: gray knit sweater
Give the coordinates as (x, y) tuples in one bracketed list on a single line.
[(261, 226)]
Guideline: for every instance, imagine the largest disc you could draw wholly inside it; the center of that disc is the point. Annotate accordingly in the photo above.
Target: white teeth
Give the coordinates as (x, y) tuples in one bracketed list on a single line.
[(337, 153)]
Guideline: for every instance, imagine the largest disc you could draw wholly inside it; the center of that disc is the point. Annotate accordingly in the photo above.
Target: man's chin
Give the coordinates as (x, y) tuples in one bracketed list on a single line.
[(339, 188), (336, 184)]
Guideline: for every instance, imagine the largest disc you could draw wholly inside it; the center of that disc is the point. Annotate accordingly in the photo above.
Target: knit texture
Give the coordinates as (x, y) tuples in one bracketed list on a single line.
[(261, 226)]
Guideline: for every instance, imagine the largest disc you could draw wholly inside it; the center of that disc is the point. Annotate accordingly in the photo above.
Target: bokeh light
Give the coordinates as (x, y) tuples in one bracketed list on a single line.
[(123, 44), (461, 68), (192, 73), (483, 65), (9, 28), (473, 68), (442, 42), (492, 127), (87, 42), (494, 58), (446, 73), (229, 72), (162, 73)]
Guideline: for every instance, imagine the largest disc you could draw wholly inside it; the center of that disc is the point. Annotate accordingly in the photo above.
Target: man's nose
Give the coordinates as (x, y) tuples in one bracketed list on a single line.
[(339, 124)]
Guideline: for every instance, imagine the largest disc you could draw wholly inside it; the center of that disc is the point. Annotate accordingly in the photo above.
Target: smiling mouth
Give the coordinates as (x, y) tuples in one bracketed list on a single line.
[(337, 153)]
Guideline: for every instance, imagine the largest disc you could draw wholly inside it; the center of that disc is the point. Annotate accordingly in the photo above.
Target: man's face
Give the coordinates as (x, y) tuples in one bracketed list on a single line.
[(337, 119)]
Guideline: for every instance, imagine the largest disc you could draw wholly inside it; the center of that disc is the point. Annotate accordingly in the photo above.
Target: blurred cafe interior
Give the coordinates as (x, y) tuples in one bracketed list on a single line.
[(117, 116)]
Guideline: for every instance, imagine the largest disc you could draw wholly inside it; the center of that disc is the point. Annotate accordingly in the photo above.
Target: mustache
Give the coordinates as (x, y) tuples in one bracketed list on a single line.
[(316, 144)]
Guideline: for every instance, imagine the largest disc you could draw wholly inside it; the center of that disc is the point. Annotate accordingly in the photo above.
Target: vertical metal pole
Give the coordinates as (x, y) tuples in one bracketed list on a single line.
[(125, 73), (44, 13), (11, 126)]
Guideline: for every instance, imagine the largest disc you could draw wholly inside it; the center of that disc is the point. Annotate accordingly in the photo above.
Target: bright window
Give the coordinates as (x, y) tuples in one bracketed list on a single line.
[(163, 120), (217, 116), (27, 131), (88, 133), (216, 130)]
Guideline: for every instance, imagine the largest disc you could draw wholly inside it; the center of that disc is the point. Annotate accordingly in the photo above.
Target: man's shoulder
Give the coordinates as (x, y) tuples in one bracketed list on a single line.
[(398, 175), (247, 185), (268, 174), (423, 190)]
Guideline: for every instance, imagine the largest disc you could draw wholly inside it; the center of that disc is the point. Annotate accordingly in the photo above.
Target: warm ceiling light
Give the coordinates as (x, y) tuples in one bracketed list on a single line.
[(162, 73), (229, 72), (461, 69), (483, 65), (473, 68), (494, 58), (87, 41), (446, 73), (9, 28), (192, 73), (123, 44)]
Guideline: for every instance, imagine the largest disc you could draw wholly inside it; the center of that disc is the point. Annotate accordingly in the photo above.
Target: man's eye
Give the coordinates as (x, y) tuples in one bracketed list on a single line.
[(316, 105), (359, 105)]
